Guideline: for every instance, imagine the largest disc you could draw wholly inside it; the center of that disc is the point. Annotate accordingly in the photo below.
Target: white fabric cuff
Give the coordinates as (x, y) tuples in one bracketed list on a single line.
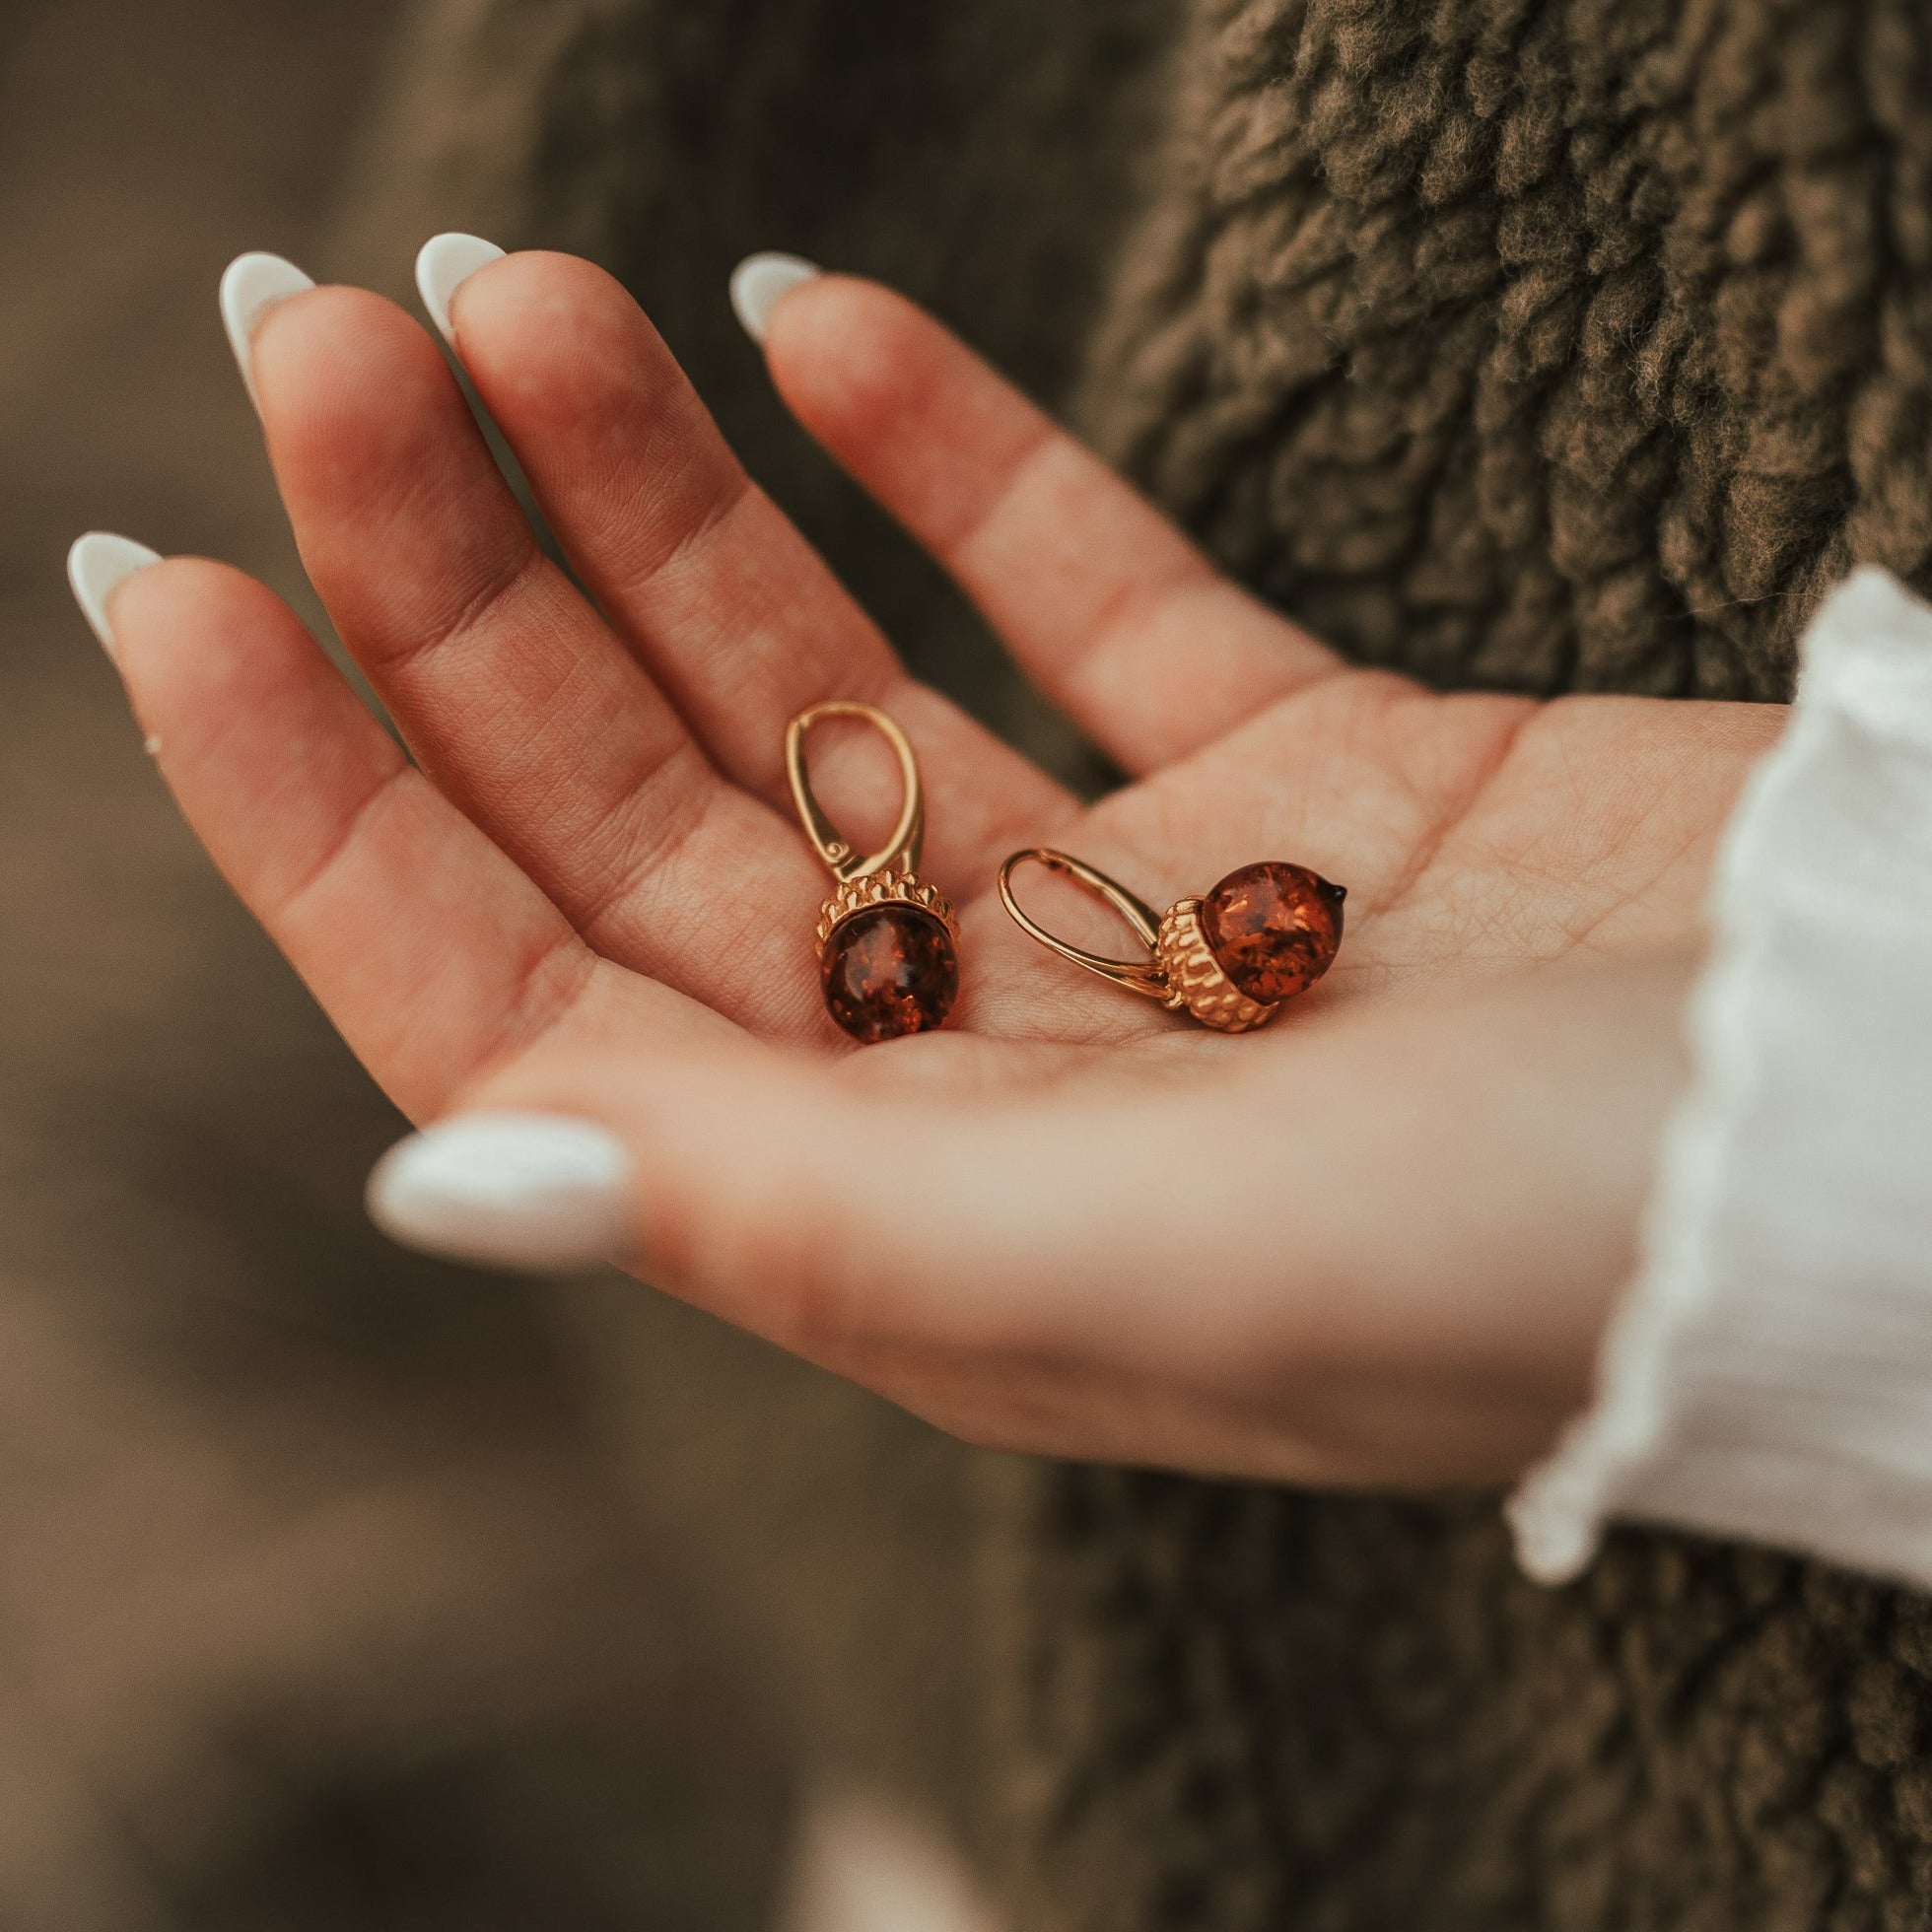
[(1769, 1373)]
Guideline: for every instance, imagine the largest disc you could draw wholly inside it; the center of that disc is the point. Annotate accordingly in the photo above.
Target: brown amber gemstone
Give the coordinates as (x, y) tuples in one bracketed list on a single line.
[(1273, 929), (889, 971)]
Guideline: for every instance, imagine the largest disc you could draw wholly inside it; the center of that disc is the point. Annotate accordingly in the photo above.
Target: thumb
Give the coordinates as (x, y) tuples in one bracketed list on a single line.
[(798, 1201)]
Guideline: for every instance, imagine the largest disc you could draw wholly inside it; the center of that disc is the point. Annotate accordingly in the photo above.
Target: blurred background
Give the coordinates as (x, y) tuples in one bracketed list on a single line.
[(342, 1588)]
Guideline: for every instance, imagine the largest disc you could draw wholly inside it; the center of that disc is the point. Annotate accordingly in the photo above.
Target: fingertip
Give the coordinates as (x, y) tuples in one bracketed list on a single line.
[(861, 365), (252, 286), (189, 584), (537, 1192), (353, 392), (444, 264), (761, 281), (97, 565), (206, 653), (183, 627), (544, 324), (316, 348)]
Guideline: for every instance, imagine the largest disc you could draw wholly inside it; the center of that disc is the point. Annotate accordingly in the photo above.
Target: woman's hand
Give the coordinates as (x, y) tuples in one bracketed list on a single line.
[(1372, 1243)]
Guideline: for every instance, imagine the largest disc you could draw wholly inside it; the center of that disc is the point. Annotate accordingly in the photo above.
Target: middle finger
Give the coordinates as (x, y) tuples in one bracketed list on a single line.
[(730, 608)]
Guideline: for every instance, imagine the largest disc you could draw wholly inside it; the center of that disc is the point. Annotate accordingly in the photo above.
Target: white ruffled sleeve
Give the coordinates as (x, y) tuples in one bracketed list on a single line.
[(1770, 1374)]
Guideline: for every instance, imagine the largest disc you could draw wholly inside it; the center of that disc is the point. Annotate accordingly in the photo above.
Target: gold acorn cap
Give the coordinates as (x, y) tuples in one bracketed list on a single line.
[(891, 887), (1196, 983)]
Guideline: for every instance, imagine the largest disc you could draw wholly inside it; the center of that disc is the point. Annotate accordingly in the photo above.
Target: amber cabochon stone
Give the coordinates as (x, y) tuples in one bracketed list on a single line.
[(889, 971), (1273, 929)]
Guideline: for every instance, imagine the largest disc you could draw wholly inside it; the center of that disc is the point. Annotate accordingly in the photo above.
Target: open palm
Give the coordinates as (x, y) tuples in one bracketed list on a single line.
[(1071, 1220)]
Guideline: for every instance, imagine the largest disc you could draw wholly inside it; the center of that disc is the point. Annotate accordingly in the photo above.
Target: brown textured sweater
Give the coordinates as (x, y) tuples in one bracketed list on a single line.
[(1537, 343)]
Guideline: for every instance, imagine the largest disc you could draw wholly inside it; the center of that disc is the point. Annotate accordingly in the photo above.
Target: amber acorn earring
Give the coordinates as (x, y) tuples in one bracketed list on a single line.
[(1232, 957), (889, 944)]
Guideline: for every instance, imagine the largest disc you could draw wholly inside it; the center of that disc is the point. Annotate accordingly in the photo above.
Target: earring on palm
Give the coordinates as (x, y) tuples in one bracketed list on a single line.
[(1232, 959), (888, 943)]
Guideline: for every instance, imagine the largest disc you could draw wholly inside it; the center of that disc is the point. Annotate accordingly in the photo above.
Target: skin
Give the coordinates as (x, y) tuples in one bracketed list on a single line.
[(1374, 1244)]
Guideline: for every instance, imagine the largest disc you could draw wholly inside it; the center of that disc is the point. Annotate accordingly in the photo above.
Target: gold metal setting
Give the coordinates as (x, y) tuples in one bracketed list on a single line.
[(1196, 983), (1181, 973), (870, 889)]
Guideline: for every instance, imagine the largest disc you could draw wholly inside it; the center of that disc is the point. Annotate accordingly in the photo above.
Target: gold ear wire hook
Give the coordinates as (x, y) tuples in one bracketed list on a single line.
[(900, 853), (1147, 978)]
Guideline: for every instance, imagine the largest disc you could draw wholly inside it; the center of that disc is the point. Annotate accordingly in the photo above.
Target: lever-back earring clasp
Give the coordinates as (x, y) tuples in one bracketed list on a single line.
[(888, 943), (1232, 957), (1138, 975), (900, 853)]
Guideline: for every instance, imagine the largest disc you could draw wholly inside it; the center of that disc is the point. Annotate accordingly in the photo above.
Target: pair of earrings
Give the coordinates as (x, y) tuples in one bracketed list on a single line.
[(888, 943)]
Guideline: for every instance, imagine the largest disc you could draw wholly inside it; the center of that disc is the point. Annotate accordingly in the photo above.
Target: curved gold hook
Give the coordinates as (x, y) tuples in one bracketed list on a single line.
[(900, 853), (1138, 977)]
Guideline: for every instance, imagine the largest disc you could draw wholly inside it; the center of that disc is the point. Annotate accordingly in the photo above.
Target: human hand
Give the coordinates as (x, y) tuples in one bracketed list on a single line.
[(1370, 1244)]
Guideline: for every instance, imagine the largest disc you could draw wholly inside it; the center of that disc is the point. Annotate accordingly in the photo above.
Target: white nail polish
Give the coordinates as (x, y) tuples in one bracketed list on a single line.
[(761, 281), (446, 263), (535, 1192), (251, 287), (98, 566)]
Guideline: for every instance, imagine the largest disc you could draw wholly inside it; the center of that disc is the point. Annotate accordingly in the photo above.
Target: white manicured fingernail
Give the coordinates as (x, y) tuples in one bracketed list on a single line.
[(251, 287), (535, 1191), (97, 567), (760, 283), (446, 263)]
